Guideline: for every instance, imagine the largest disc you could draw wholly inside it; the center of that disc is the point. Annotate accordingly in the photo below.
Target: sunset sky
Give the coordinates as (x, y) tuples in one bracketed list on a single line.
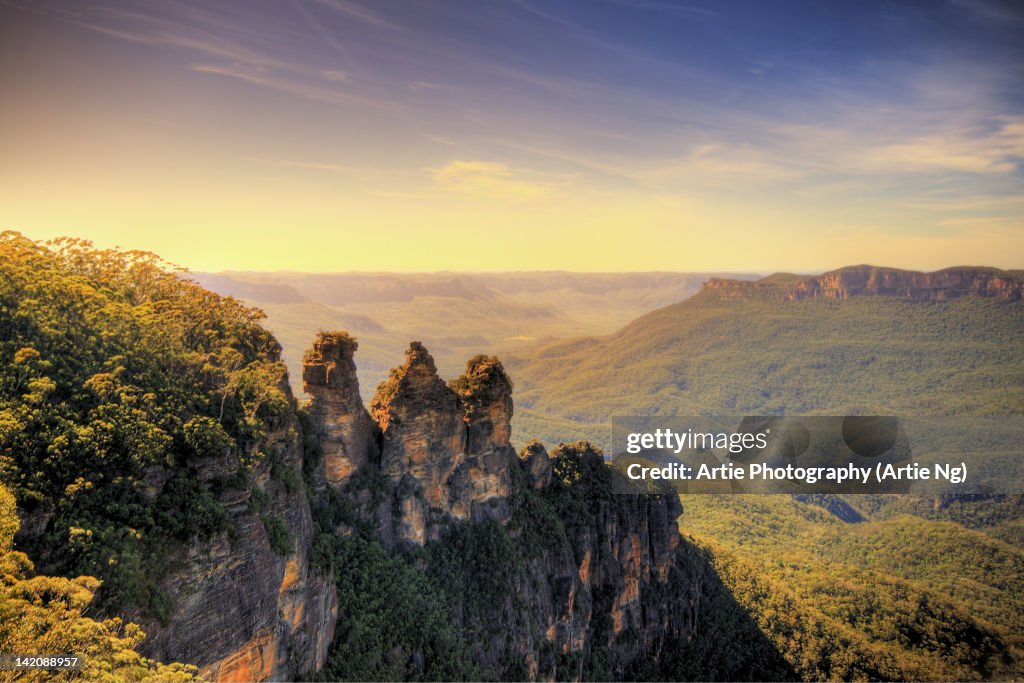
[(598, 135)]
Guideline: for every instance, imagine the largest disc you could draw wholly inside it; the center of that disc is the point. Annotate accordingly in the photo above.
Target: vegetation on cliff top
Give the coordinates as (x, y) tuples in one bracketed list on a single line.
[(119, 379)]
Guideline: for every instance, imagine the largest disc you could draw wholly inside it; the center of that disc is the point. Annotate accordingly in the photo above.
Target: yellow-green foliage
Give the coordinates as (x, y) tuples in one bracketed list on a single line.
[(46, 615), (901, 598), (118, 377)]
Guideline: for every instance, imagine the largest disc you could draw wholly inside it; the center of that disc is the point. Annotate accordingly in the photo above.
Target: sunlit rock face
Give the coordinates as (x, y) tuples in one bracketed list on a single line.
[(942, 285), (240, 610), (347, 434), (444, 449)]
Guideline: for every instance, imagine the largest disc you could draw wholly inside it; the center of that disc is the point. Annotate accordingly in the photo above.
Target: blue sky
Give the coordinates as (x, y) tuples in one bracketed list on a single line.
[(590, 135)]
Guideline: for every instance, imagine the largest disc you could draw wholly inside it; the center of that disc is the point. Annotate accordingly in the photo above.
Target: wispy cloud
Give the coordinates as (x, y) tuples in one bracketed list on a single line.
[(360, 12), (991, 11), (251, 57), (672, 8), (267, 78), (306, 165), (486, 179)]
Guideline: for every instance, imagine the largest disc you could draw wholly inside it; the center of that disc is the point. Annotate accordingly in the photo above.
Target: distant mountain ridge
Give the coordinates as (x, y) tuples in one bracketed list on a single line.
[(865, 280), (857, 339)]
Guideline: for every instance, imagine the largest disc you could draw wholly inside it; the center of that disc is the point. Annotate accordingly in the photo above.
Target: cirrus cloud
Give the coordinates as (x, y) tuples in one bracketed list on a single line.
[(487, 179)]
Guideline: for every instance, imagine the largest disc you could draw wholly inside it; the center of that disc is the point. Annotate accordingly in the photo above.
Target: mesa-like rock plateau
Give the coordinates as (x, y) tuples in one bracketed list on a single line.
[(941, 285)]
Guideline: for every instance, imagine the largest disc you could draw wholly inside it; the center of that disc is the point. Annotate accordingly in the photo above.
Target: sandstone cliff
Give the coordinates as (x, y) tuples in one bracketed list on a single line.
[(844, 283), (596, 566), (347, 435), (597, 576), (242, 609)]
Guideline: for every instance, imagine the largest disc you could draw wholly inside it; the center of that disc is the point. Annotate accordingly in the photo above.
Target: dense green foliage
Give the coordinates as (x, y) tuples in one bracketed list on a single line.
[(48, 615), (393, 621), (118, 379), (420, 613), (897, 598)]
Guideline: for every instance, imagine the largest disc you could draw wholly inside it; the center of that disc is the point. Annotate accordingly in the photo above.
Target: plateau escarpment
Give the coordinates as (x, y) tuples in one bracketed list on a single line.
[(857, 340), (431, 457), (942, 285)]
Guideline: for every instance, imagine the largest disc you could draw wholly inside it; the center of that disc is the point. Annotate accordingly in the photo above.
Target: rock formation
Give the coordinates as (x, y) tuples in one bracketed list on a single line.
[(444, 451), (596, 571), (241, 610), (942, 285), (538, 464), (444, 457), (346, 432)]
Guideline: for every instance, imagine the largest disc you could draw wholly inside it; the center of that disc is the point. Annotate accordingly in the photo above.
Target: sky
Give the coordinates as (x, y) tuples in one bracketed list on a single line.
[(477, 135)]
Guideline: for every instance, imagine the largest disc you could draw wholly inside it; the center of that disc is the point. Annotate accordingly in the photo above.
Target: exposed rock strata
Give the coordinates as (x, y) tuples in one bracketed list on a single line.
[(444, 456), (241, 611), (346, 432), (942, 285), (444, 450)]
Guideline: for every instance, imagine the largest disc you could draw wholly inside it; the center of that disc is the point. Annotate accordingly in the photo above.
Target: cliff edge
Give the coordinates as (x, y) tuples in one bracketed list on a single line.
[(864, 280)]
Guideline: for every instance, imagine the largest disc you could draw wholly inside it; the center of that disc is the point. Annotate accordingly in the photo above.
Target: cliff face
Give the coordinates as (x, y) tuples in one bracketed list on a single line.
[(444, 457), (428, 455), (242, 610), (609, 586), (844, 283), (348, 437), (443, 451)]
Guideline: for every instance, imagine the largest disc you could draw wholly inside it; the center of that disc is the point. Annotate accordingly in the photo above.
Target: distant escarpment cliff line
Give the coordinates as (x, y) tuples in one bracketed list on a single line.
[(864, 280)]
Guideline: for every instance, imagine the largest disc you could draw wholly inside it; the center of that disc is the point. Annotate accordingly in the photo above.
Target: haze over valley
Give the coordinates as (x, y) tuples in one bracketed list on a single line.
[(456, 315)]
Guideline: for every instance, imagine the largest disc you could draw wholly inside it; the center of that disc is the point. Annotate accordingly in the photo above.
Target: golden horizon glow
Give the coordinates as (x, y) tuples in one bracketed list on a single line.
[(354, 138)]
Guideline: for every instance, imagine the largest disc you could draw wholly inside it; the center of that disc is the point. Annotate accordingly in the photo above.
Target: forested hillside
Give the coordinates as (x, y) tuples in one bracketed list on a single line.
[(145, 433), (898, 598), (47, 615), (746, 355)]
